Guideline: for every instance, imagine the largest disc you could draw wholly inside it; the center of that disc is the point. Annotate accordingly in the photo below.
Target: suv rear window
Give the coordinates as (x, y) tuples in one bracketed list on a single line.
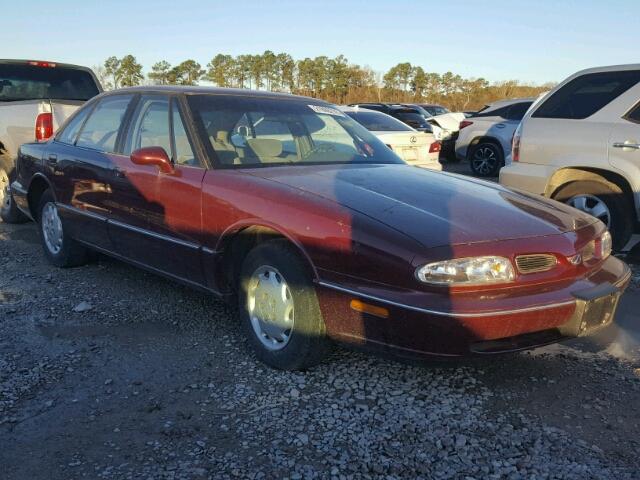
[(32, 82), (585, 95)]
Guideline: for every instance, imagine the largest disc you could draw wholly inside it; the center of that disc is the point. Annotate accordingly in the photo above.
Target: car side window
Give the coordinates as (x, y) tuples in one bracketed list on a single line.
[(100, 131), (517, 111), (69, 133), (585, 95), (184, 151), (150, 125), (634, 115)]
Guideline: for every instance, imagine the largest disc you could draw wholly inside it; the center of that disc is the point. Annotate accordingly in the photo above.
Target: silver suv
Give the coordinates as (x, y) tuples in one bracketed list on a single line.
[(485, 137), (580, 144)]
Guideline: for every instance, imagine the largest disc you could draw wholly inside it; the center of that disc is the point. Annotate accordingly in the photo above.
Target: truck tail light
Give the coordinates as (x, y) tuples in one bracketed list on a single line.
[(44, 126), (36, 63), (515, 144), (435, 147), (464, 123)]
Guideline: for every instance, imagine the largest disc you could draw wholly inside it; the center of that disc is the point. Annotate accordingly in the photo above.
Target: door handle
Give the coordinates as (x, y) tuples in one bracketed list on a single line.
[(53, 158), (632, 146), (118, 173)]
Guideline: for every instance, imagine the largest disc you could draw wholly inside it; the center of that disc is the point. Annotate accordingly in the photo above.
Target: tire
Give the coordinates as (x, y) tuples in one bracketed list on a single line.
[(59, 248), (276, 265), (9, 211), (620, 219), (486, 159)]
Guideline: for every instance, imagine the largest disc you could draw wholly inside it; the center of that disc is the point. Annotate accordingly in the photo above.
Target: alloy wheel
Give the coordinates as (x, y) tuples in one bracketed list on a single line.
[(52, 228), (592, 205), (484, 160), (270, 306)]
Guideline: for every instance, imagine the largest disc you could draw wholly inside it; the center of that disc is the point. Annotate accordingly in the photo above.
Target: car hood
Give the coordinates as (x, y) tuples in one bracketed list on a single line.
[(433, 208)]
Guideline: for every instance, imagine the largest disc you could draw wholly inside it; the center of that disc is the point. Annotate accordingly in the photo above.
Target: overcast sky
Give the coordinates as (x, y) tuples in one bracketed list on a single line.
[(532, 41)]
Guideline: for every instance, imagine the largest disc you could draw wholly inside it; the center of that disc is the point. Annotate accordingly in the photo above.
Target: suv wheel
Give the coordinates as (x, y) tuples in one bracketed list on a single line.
[(8, 209), (58, 246), (606, 202), (279, 308), (486, 159)]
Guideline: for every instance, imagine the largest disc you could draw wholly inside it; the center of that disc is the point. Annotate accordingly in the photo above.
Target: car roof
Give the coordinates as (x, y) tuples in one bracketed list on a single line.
[(509, 101), (5, 61), (609, 68), (202, 90)]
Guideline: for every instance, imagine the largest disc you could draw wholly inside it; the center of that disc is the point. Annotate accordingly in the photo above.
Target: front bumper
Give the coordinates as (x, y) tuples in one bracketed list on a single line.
[(580, 308)]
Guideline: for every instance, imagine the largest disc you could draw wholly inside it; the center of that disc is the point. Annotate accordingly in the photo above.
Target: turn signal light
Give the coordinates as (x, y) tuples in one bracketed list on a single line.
[(464, 123), (362, 307), (435, 147), (44, 126)]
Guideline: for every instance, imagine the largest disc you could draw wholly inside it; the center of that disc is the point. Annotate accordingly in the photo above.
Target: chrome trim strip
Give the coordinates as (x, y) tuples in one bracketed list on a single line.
[(69, 208), (441, 313), (159, 236), (209, 251)]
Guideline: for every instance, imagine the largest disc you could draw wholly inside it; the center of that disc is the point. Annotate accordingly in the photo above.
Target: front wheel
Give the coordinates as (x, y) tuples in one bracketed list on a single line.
[(486, 159), (279, 308), (605, 201), (60, 249)]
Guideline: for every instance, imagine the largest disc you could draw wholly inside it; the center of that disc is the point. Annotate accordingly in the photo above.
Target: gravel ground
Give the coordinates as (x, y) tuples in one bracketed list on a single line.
[(107, 372)]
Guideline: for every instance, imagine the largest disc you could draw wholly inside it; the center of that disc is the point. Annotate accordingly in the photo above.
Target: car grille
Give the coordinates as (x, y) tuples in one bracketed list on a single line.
[(535, 263)]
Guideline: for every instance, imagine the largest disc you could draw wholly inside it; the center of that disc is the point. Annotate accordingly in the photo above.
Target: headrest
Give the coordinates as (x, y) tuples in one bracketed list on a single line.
[(222, 136), (265, 147)]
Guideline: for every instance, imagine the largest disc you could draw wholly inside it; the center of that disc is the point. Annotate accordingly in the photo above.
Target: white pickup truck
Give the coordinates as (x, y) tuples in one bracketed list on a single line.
[(35, 99)]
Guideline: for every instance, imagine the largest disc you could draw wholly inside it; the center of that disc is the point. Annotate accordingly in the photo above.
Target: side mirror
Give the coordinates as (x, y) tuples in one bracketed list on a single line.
[(153, 156)]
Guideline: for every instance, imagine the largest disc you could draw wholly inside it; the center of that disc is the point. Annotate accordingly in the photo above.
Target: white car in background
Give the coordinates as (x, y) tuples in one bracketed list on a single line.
[(420, 149), (580, 145), (485, 137), (36, 97)]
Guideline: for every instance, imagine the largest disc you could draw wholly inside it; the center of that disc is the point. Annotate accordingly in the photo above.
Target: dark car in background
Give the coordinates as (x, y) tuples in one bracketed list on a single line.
[(314, 226), (434, 109), (36, 97)]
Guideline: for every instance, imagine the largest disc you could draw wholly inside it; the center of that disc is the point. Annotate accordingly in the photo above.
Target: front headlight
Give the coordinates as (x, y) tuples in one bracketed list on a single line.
[(467, 271), (605, 245)]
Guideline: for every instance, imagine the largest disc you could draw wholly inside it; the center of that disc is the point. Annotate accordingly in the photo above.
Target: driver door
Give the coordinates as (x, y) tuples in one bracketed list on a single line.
[(157, 217)]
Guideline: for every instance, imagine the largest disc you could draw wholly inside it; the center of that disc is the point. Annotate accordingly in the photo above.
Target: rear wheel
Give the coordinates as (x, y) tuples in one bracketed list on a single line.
[(605, 201), (9, 211), (486, 159), (279, 308), (58, 246)]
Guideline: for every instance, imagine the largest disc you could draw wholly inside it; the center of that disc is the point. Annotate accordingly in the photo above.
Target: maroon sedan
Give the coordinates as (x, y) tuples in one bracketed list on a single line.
[(317, 228)]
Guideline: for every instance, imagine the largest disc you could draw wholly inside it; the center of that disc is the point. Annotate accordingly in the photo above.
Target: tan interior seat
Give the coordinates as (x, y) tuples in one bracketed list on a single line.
[(268, 150)]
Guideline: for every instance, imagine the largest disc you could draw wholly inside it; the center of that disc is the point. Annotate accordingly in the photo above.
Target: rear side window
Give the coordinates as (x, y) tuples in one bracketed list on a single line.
[(101, 129), (585, 95), (69, 133), (634, 115), (517, 110), (33, 82)]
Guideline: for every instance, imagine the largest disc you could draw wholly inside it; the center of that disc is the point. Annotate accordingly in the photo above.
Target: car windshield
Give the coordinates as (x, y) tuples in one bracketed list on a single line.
[(378, 122), (34, 82), (251, 131)]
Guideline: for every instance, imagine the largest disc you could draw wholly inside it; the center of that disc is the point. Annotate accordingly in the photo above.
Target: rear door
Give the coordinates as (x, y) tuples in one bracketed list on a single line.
[(156, 217), (81, 162)]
